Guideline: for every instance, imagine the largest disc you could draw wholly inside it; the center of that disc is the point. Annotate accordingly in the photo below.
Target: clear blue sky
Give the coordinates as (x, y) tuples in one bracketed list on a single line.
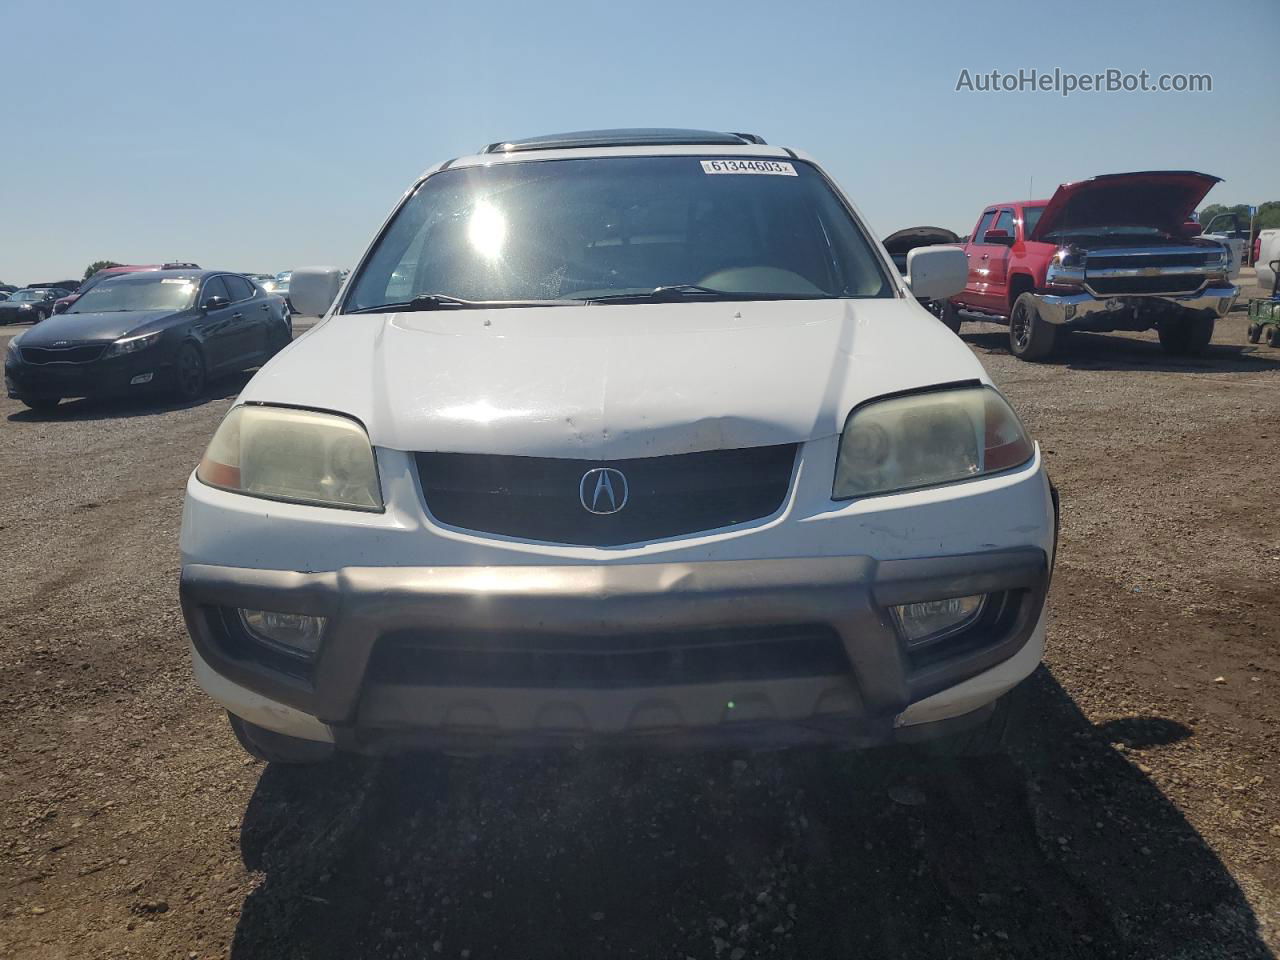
[(266, 135)]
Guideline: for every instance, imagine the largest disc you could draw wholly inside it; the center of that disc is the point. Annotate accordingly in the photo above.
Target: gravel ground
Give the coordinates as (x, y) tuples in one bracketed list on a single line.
[(1135, 813)]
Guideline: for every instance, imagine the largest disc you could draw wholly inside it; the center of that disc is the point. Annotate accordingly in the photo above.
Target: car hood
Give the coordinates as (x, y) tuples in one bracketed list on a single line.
[(1162, 199), (606, 382), (904, 241), (88, 327)]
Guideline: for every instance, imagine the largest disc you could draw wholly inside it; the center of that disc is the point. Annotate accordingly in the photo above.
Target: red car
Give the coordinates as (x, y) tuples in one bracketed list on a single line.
[(1104, 254), (60, 306)]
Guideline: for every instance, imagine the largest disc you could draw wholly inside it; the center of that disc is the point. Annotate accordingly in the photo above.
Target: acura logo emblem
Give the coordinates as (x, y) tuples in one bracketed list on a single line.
[(603, 491)]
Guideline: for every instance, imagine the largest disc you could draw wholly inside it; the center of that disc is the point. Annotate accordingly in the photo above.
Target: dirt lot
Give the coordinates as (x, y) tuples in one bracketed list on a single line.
[(1136, 813)]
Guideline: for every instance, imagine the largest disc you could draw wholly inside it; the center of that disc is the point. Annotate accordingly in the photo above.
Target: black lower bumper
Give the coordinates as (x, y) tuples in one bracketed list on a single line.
[(458, 620), (100, 378)]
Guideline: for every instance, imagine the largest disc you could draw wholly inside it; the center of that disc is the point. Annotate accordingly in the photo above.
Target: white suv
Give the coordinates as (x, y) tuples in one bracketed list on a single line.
[(627, 435)]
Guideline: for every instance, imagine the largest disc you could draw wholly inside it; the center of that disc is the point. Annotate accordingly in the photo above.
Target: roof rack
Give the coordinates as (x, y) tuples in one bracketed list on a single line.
[(629, 137)]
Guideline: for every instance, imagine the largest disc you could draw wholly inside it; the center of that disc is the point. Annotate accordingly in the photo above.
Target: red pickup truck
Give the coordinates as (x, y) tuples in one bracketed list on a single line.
[(1103, 254)]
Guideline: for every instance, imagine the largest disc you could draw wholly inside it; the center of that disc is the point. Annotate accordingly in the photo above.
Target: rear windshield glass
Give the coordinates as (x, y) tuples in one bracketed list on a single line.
[(115, 294), (579, 229)]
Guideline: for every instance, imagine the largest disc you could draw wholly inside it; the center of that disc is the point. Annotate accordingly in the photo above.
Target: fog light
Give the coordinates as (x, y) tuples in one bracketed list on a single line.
[(296, 633), (934, 619), (1069, 311), (141, 378)]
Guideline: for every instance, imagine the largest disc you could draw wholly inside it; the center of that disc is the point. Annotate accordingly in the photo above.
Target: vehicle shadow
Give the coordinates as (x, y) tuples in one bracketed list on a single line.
[(223, 388), (1058, 848), (1103, 351)]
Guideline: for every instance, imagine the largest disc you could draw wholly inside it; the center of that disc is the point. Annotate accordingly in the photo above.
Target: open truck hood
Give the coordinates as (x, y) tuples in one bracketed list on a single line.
[(1162, 199)]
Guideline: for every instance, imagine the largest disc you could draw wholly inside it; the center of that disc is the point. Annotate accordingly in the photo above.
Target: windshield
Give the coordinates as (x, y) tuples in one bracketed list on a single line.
[(30, 295), (130, 292), (1030, 217), (584, 229)]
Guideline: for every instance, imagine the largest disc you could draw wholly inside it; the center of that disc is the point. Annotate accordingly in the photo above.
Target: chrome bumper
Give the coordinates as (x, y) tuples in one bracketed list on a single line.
[(1073, 307)]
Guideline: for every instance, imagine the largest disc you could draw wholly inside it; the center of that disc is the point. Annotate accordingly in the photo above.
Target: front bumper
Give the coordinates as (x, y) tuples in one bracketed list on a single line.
[(1076, 308), (98, 378), (369, 709)]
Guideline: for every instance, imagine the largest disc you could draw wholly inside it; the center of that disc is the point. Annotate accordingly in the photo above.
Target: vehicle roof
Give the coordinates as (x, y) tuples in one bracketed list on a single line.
[(1015, 203), (623, 137), (181, 274), (624, 142)]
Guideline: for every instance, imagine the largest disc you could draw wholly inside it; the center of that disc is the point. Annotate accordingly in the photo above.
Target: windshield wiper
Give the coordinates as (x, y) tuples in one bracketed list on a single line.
[(670, 292), (675, 292), (443, 301)]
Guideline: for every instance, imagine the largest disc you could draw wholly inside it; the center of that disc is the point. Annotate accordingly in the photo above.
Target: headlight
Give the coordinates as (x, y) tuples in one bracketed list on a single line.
[(24, 306), (1218, 264), (927, 439), (1066, 269), (295, 455), (128, 345), (11, 349)]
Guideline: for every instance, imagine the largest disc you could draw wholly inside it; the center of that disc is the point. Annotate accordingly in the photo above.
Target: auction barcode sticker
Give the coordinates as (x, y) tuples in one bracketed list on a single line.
[(776, 168)]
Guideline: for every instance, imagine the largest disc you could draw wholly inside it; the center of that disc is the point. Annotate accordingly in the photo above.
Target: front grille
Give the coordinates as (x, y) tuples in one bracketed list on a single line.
[(608, 661), (536, 498), (1129, 261), (82, 354), (1118, 286)]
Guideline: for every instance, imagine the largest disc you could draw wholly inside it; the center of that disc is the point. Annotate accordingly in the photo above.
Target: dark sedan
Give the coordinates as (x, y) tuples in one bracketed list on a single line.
[(167, 330), (30, 305)]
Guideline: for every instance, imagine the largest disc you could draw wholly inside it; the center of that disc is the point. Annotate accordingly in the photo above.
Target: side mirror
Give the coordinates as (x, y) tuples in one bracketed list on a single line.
[(214, 303), (935, 273), (60, 306), (996, 235), (312, 290)]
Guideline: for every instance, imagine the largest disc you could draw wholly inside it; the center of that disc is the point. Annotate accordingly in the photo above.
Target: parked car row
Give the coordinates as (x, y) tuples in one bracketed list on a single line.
[(31, 304)]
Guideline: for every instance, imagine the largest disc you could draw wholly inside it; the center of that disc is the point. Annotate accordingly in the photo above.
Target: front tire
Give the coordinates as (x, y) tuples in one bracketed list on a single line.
[(1185, 336), (189, 373), (272, 747), (1031, 336), (949, 316)]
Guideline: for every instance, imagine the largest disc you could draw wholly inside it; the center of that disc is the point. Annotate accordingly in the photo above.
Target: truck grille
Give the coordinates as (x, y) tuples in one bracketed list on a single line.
[(608, 661), (1129, 261), (537, 498), (1172, 283), (82, 354)]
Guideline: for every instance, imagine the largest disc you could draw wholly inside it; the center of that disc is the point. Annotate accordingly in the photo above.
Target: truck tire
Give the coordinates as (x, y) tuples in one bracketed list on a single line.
[(1031, 337), (950, 316), (1273, 335), (1185, 336), (272, 747), (1255, 333)]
